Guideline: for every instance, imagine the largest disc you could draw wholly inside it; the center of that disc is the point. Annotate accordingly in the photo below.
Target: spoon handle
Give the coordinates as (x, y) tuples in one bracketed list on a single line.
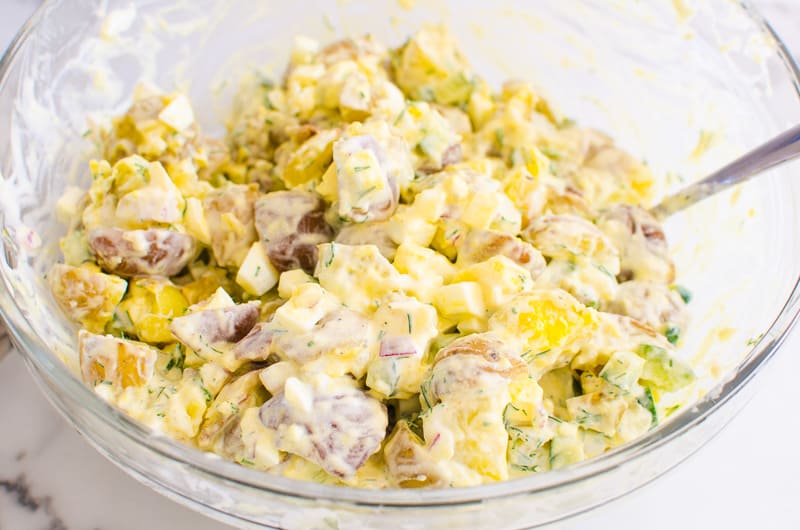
[(783, 147)]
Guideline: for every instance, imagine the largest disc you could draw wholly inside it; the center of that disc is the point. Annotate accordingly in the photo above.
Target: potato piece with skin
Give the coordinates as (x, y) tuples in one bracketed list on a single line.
[(397, 159), (229, 214), (465, 430), (86, 295), (338, 344), (328, 421), (641, 242), (212, 332), (225, 412), (371, 233), (653, 304), (366, 189), (105, 359), (478, 360), (429, 67), (408, 461), (152, 252), (256, 345), (291, 224), (569, 237), (480, 245)]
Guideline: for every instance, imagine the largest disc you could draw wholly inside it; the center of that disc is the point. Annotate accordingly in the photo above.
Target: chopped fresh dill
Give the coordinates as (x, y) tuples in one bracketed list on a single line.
[(673, 334), (333, 254), (499, 136), (206, 393), (685, 293), (367, 192)]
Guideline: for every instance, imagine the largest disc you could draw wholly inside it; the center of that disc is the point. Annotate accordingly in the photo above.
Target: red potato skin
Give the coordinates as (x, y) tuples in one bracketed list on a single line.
[(166, 252), (228, 325), (338, 416), (291, 224)]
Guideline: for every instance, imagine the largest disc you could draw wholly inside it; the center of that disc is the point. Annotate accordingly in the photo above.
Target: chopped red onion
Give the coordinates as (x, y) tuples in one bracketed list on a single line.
[(400, 346)]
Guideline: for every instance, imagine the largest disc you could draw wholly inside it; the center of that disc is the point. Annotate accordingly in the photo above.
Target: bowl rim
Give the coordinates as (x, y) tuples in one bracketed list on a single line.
[(55, 372)]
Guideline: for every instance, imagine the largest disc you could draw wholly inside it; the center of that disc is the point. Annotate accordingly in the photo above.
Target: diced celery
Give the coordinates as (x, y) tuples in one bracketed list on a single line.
[(664, 371), (623, 370)]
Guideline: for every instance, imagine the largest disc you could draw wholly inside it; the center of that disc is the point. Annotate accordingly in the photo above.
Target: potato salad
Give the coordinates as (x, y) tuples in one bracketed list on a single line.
[(387, 274)]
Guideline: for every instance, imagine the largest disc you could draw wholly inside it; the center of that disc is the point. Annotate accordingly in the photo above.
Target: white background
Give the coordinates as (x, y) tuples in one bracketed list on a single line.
[(747, 477)]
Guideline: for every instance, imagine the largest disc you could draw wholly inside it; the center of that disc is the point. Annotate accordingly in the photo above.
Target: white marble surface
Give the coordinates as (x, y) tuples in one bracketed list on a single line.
[(51, 479)]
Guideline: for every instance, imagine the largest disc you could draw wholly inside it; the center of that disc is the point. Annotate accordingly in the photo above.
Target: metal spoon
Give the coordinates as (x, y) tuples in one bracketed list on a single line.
[(784, 147)]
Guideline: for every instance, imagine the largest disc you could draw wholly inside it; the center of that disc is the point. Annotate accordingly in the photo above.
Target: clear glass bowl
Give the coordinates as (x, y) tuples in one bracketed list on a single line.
[(657, 76)]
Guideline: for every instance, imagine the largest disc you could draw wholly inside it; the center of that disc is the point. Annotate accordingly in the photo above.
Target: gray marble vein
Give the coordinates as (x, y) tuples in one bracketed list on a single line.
[(37, 506)]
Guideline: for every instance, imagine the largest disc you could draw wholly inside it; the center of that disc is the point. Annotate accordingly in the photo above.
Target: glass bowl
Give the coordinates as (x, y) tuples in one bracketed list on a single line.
[(684, 87)]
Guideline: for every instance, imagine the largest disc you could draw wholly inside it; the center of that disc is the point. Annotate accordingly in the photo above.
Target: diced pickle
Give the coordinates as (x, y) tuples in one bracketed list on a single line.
[(151, 305), (663, 370)]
